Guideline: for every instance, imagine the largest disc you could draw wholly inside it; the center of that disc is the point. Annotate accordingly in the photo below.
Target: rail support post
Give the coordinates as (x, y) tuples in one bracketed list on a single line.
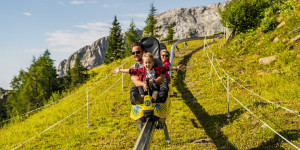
[(212, 63), (167, 134), (87, 107), (122, 80)]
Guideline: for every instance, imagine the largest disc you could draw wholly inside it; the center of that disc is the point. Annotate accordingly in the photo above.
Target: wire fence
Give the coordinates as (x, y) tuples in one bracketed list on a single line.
[(41, 107), (67, 116), (92, 87), (213, 56), (229, 93), (85, 105)]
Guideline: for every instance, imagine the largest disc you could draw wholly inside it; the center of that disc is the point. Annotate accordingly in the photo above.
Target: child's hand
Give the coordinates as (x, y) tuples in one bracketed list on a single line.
[(150, 84), (117, 70), (145, 86)]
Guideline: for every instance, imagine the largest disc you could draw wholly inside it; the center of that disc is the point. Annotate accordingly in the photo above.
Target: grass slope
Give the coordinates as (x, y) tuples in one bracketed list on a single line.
[(198, 116)]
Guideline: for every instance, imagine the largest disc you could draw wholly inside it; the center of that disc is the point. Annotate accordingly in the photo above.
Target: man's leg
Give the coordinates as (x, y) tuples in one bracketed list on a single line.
[(135, 96)]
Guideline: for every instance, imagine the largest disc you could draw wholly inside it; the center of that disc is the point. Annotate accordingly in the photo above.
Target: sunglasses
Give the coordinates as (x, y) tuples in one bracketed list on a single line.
[(136, 52), (165, 55)]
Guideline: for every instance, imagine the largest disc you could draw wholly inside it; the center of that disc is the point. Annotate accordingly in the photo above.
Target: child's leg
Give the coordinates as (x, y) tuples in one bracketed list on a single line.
[(141, 90), (135, 96)]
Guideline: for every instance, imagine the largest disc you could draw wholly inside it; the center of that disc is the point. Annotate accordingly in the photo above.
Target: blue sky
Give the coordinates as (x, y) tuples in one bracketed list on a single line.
[(29, 27)]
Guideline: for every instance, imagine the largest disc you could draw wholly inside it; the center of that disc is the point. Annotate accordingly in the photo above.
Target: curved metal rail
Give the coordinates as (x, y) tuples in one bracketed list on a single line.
[(189, 39)]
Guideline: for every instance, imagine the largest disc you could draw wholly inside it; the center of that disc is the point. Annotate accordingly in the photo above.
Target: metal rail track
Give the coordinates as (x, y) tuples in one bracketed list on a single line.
[(145, 137)]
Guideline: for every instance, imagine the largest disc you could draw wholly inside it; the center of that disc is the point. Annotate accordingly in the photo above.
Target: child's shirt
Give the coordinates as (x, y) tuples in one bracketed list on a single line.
[(142, 73), (150, 74)]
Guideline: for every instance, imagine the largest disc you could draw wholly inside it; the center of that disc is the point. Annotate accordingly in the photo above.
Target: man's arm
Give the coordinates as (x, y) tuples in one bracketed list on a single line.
[(136, 80), (160, 79)]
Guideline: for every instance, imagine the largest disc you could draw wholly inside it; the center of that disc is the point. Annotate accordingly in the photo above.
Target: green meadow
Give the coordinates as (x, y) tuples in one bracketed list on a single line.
[(198, 118)]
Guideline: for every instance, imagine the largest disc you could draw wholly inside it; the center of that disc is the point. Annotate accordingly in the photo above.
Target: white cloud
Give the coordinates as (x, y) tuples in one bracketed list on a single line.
[(61, 3), (70, 41), (77, 2), (94, 26), (27, 14)]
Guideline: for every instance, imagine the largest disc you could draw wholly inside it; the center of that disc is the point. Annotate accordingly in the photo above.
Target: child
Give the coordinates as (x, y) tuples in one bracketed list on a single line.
[(148, 71)]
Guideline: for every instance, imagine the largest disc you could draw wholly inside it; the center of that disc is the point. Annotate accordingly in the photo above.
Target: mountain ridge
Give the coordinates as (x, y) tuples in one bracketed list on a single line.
[(187, 22)]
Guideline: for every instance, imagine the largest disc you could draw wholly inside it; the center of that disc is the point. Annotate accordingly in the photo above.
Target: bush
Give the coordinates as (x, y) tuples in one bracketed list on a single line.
[(269, 22), (243, 15)]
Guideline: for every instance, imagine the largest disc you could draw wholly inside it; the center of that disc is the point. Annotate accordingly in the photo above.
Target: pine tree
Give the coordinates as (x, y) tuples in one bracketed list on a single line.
[(32, 89), (115, 49), (3, 98), (131, 36), (170, 35), (77, 76), (67, 79), (47, 76), (150, 29)]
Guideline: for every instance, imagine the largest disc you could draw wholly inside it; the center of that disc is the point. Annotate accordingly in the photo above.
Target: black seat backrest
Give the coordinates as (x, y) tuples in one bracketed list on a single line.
[(162, 46), (152, 46)]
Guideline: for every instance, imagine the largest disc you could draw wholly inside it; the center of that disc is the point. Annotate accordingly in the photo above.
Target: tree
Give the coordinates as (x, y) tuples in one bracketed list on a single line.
[(150, 29), (170, 33), (115, 49), (33, 88), (67, 79), (241, 15), (3, 98), (131, 36), (77, 76), (47, 76)]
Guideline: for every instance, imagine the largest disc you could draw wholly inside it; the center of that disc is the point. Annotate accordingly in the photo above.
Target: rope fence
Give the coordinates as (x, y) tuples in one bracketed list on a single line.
[(229, 93), (247, 88), (67, 116), (41, 107), (86, 105), (64, 97)]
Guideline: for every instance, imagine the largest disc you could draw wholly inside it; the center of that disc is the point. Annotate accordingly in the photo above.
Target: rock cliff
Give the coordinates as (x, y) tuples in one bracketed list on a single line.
[(191, 22), (90, 56), (187, 22)]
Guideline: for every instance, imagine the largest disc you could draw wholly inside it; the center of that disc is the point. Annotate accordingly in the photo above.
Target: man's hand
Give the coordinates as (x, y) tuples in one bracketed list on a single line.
[(160, 79), (117, 70)]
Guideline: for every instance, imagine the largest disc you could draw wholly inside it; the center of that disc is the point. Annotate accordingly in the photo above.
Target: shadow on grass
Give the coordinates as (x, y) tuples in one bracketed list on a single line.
[(276, 141), (211, 124)]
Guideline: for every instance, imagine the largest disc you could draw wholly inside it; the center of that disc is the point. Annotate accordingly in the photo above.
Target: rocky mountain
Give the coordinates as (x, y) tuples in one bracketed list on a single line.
[(187, 22), (90, 56), (191, 22)]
